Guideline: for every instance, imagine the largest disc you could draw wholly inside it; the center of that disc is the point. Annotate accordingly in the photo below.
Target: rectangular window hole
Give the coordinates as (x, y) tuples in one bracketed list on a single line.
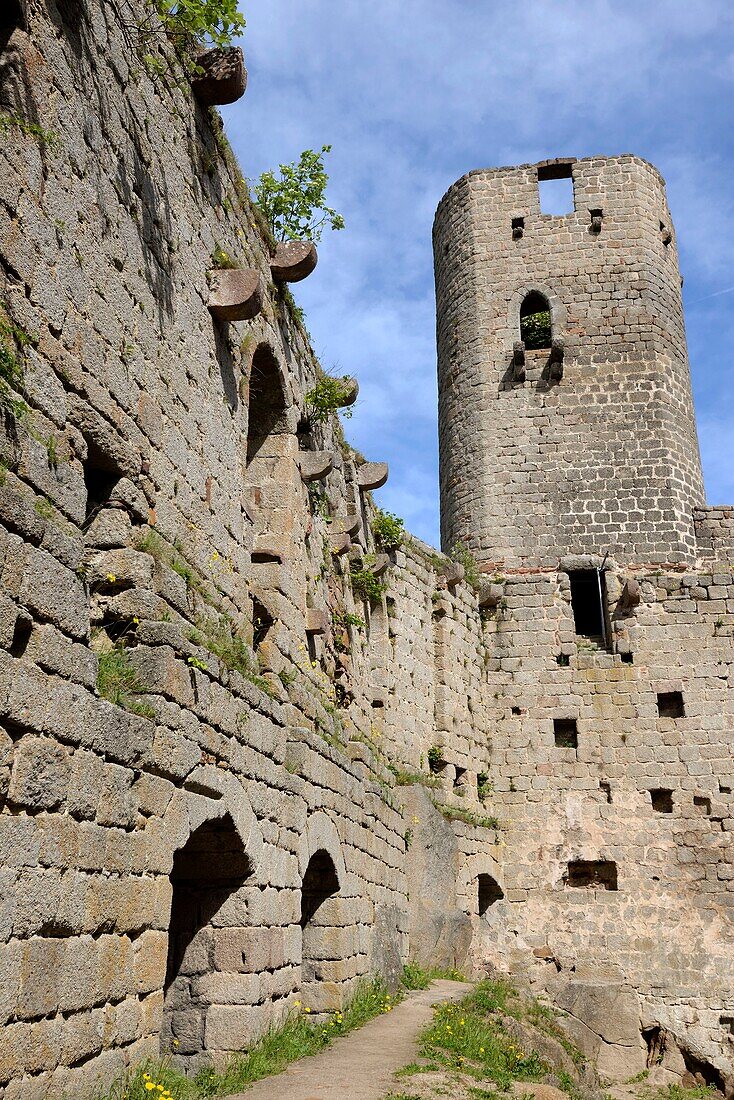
[(563, 660), (702, 804), (670, 704), (262, 621), (606, 788), (101, 475), (565, 733), (555, 188), (588, 598), (518, 228), (460, 777), (517, 711), (592, 873), (724, 789), (627, 658), (21, 635), (662, 800)]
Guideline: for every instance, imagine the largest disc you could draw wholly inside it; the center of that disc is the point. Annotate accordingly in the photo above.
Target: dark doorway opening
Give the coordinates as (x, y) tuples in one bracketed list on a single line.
[(489, 891), (266, 406), (588, 603), (320, 885)]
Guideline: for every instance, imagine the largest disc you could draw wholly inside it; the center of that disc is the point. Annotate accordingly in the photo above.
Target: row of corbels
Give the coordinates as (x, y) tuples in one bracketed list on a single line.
[(238, 293), (555, 361)]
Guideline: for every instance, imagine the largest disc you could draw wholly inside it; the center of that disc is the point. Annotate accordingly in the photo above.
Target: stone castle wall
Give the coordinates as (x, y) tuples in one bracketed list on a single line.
[(297, 788)]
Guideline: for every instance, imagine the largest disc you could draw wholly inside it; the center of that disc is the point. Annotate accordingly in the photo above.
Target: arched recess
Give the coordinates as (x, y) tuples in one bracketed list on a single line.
[(480, 886), (267, 409), (208, 872), (216, 858), (327, 942), (536, 322), (525, 300)]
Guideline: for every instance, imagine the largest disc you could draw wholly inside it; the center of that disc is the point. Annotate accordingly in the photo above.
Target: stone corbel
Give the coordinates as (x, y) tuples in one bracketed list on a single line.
[(340, 544), (223, 76), (631, 594), (315, 465), (518, 361), (490, 594), (372, 475), (235, 294), (346, 523), (317, 621), (555, 361), (293, 261), (380, 565), (452, 573)]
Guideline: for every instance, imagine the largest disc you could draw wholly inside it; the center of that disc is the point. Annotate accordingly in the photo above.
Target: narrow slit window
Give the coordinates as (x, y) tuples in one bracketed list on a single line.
[(101, 475), (555, 188), (599, 874), (588, 597)]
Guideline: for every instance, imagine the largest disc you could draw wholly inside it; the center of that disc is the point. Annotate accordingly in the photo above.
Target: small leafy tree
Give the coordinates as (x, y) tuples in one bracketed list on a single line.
[(328, 395), (293, 204), (388, 529), (209, 22)]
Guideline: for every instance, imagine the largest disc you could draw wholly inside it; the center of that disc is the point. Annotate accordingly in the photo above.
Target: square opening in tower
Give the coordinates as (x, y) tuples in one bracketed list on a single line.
[(662, 800), (670, 704), (588, 599), (555, 189), (598, 874)]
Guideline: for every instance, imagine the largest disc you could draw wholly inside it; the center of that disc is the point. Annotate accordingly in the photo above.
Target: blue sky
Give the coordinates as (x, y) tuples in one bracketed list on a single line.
[(413, 93)]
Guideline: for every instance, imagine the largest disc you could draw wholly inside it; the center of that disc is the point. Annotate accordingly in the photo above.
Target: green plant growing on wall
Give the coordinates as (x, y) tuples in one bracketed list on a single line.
[(293, 204), (118, 682), (12, 341), (222, 260), (30, 129), (388, 529), (463, 555), (365, 585), (208, 22), (435, 759), (328, 395)]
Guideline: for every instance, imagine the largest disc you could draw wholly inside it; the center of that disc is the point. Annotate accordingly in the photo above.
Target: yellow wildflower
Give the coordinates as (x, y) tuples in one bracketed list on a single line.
[(111, 577)]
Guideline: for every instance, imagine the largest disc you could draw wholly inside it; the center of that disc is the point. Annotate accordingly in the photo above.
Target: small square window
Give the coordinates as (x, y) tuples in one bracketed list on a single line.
[(592, 874), (565, 733), (670, 704), (662, 801), (702, 804)]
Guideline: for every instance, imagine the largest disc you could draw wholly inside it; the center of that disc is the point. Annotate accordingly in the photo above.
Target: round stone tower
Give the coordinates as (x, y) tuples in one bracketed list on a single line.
[(565, 411)]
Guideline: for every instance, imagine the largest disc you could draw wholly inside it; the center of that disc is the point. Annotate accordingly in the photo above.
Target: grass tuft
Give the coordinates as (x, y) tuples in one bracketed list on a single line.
[(117, 682)]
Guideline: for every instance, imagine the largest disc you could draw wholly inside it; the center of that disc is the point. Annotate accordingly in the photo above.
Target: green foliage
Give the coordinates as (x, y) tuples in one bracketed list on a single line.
[(44, 508), (535, 330), (465, 1037), (318, 501), (118, 682), (12, 339), (221, 259), (328, 395), (209, 22), (406, 778), (222, 639), (346, 618), (365, 585), (30, 129), (484, 786), (415, 976), (435, 758), (388, 529), (463, 555), (292, 203), (297, 1038), (454, 813)]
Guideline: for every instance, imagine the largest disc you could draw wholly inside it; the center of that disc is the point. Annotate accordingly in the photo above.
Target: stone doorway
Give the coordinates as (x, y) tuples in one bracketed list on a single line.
[(210, 868)]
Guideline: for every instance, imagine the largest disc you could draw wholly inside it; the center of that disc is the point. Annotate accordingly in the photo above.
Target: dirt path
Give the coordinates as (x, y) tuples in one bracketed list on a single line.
[(360, 1066)]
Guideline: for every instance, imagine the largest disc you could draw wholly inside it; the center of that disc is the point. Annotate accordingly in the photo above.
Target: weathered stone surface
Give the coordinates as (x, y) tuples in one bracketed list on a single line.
[(40, 776), (315, 465), (372, 475), (293, 261), (236, 294)]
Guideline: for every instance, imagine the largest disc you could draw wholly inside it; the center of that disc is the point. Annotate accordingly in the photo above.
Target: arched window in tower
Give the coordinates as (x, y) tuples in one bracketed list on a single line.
[(535, 322)]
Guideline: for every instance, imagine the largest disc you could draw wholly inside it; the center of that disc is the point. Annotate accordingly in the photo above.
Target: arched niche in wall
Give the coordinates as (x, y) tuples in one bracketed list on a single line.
[(208, 871), (267, 420), (320, 886)]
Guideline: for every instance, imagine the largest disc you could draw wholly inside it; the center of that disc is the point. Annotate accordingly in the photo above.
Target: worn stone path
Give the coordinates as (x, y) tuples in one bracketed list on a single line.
[(360, 1066)]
